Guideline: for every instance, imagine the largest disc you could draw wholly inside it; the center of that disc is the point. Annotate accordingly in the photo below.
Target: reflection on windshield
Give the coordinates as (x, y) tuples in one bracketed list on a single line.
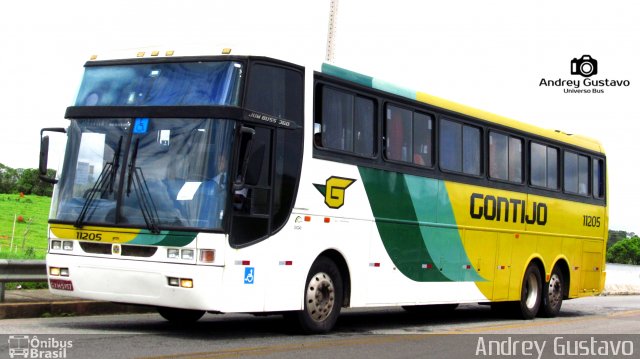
[(175, 175), (164, 84)]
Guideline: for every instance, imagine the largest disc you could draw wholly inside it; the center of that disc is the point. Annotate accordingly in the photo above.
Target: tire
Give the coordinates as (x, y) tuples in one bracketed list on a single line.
[(322, 298), (552, 294), (180, 316), (531, 293)]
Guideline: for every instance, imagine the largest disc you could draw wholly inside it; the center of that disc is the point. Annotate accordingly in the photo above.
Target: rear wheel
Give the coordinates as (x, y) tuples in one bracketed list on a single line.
[(531, 293), (552, 294), (322, 298), (180, 316)]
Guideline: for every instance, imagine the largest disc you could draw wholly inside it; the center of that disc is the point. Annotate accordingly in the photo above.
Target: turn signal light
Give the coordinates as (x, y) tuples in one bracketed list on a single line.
[(186, 283), (207, 255), (180, 282)]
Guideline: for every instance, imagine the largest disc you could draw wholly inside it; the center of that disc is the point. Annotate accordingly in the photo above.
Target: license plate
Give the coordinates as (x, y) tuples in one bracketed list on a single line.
[(61, 284)]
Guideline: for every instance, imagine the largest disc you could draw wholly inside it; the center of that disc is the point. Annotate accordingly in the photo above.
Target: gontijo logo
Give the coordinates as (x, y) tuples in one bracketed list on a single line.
[(334, 190)]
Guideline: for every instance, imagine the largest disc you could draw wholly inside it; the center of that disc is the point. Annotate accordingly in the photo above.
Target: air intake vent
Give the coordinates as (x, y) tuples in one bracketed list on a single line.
[(96, 248), (127, 250), (138, 251)]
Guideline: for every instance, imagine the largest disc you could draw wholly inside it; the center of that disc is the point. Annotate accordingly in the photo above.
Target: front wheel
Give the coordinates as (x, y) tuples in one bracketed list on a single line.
[(552, 294), (322, 298)]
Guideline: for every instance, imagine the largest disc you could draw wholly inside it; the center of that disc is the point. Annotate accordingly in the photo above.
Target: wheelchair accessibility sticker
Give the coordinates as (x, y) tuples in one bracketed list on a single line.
[(248, 275)]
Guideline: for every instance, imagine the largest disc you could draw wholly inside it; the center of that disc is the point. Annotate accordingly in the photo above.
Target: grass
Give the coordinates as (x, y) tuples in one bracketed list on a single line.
[(30, 234)]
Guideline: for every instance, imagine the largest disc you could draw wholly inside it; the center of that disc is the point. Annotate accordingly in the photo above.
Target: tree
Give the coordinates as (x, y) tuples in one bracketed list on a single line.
[(26, 181), (626, 251), (615, 236), (30, 183), (8, 179)]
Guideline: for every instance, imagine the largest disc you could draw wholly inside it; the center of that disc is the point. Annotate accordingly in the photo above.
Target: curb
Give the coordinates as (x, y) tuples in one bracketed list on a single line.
[(68, 308)]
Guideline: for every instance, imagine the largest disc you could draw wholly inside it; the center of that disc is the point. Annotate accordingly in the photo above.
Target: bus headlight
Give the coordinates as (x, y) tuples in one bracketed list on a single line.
[(173, 253), (67, 245), (56, 245), (187, 254)]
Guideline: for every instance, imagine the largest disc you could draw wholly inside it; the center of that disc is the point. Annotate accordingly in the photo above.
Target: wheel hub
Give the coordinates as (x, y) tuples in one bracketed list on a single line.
[(320, 297), (555, 290)]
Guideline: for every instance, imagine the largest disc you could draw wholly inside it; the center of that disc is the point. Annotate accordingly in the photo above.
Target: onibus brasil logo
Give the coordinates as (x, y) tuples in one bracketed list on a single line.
[(25, 346), (334, 190)]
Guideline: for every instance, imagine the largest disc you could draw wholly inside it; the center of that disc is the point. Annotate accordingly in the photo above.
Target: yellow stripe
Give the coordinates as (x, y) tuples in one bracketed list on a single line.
[(95, 233), (576, 140)]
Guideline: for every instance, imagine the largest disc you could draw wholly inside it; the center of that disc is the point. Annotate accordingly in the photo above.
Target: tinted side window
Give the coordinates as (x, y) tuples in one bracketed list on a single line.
[(422, 139), (544, 166), (450, 146), (598, 178), (471, 150), (364, 127), (459, 148), (337, 119), (398, 127), (576, 173), (505, 157), (346, 122), (409, 136), (276, 91)]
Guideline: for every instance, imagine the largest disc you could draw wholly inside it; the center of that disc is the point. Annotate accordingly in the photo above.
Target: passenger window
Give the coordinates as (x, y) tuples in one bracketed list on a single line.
[(346, 122), (399, 146), (598, 178), (505, 157), (459, 148), (544, 166), (576, 173), (409, 136)]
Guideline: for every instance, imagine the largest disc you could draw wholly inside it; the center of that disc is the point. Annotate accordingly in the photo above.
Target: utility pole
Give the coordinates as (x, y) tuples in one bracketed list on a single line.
[(331, 33)]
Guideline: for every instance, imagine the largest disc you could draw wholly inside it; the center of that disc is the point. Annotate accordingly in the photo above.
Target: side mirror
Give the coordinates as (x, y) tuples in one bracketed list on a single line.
[(44, 154)]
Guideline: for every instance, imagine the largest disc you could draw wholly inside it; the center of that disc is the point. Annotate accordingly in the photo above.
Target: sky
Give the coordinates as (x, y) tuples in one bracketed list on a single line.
[(490, 55)]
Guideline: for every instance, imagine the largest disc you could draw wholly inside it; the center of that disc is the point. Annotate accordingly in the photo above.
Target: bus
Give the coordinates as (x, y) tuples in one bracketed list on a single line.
[(242, 183)]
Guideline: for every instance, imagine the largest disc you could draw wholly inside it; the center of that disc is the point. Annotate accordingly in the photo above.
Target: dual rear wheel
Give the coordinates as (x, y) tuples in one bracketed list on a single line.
[(537, 298)]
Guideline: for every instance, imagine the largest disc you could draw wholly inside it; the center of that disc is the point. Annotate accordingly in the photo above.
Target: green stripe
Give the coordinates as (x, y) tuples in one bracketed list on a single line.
[(396, 220), (415, 221), (164, 238), (347, 75)]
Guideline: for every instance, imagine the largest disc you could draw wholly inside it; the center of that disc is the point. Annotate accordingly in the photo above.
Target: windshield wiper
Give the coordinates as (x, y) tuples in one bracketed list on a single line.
[(116, 165), (147, 207), (105, 180)]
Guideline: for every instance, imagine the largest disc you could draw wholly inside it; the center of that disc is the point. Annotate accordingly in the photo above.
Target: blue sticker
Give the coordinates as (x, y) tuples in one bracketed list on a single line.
[(141, 125), (248, 275)]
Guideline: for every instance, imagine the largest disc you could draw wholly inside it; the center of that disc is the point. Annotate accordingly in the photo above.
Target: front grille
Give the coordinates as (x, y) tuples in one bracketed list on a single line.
[(138, 251), (96, 248), (126, 250)]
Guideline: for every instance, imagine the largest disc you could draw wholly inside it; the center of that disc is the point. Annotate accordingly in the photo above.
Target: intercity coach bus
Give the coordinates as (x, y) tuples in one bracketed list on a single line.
[(243, 183)]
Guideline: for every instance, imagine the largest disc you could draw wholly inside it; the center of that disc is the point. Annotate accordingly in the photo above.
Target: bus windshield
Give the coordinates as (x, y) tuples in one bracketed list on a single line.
[(146, 172), (212, 83)]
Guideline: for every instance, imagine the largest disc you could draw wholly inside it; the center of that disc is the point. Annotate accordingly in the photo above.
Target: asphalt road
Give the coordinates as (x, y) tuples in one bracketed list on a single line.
[(598, 326)]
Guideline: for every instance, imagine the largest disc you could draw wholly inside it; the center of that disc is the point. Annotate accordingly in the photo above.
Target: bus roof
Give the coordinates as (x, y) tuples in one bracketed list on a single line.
[(364, 80)]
